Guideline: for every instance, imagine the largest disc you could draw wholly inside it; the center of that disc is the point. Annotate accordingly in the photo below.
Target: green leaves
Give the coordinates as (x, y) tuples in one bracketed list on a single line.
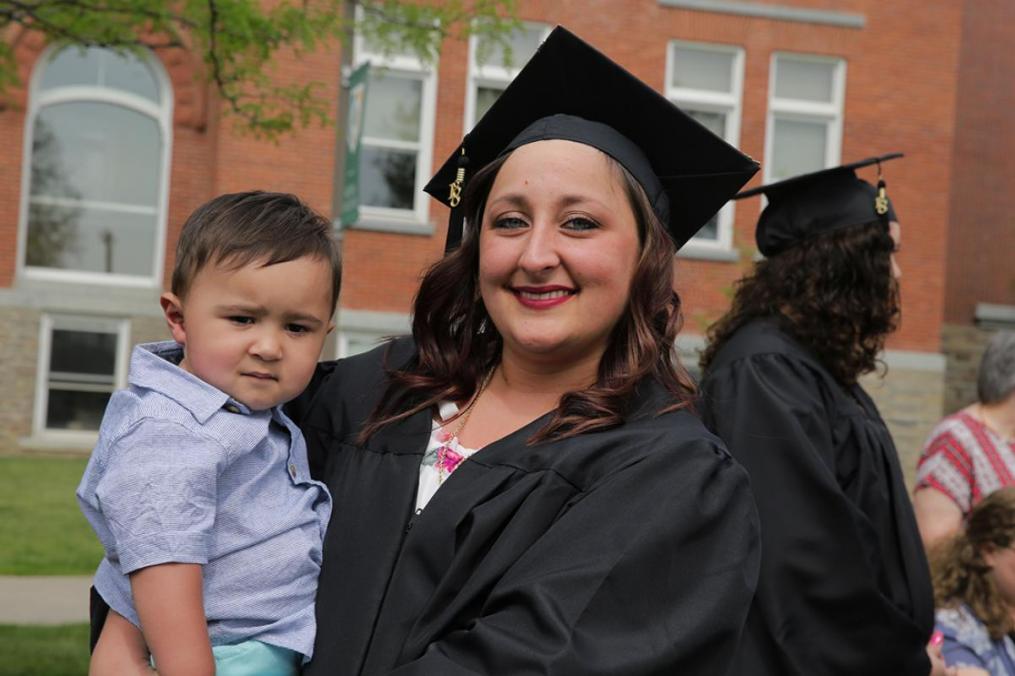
[(238, 40)]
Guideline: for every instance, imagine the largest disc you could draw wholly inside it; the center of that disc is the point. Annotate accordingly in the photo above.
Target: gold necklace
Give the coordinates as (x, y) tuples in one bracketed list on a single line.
[(448, 459)]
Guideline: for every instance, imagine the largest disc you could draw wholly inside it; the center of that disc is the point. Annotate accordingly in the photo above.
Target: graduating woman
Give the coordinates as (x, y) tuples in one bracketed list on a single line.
[(522, 488), (844, 586)]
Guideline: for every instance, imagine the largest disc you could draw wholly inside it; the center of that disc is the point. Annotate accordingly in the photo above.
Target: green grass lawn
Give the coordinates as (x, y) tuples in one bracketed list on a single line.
[(42, 531), (44, 651)]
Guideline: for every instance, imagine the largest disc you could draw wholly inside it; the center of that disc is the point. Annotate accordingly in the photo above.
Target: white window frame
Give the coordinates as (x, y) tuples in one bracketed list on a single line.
[(731, 105), (49, 322), (368, 326), (162, 113), (492, 75), (343, 338), (372, 217), (831, 113)]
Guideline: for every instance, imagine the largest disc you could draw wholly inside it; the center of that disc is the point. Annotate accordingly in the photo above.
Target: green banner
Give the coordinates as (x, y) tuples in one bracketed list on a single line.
[(353, 143)]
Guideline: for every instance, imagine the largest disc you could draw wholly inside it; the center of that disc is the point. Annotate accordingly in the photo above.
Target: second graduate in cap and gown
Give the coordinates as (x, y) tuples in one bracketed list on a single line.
[(521, 488), (844, 586)]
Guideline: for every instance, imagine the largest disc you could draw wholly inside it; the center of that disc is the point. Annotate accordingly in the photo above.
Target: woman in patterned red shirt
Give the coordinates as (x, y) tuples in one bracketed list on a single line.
[(971, 453)]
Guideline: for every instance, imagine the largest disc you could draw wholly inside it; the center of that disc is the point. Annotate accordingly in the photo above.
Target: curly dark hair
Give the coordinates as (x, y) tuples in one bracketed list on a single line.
[(959, 571), (834, 293), (458, 344)]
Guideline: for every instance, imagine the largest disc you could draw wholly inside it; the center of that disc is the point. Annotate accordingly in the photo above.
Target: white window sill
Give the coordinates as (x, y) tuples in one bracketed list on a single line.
[(402, 227), (708, 252), (992, 315), (47, 275), (82, 298)]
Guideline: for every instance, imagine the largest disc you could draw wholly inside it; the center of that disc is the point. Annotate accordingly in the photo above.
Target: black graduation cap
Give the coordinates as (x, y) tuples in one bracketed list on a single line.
[(569, 90), (812, 204)]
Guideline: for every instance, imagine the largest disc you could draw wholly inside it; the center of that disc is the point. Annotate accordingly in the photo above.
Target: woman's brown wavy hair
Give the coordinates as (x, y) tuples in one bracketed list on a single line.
[(959, 571), (835, 294), (458, 345)]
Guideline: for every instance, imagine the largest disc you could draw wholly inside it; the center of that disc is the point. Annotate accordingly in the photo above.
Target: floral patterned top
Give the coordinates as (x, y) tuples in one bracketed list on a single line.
[(435, 470), (967, 643)]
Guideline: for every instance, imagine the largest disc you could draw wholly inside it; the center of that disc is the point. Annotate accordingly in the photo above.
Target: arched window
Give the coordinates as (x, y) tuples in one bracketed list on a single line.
[(94, 203)]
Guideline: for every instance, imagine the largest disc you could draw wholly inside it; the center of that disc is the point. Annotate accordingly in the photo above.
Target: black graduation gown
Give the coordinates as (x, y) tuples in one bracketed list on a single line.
[(844, 585), (630, 551)]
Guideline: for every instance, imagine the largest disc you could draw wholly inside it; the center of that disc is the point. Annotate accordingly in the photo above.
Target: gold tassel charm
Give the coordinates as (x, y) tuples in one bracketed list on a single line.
[(455, 195), (881, 200), (456, 188)]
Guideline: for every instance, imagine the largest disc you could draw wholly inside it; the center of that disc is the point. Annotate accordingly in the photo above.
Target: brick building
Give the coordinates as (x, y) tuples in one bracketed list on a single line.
[(980, 277), (106, 157)]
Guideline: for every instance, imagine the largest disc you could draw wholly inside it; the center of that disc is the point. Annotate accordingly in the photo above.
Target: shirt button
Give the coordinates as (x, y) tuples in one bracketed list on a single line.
[(232, 408), (292, 471)]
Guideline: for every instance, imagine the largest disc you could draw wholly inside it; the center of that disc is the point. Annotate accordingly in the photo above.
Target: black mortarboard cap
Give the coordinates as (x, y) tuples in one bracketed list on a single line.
[(569, 90), (812, 204)]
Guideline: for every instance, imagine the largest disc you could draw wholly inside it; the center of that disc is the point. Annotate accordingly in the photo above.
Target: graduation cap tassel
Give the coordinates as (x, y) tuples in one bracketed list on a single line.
[(881, 198), (455, 195), (457, 222)]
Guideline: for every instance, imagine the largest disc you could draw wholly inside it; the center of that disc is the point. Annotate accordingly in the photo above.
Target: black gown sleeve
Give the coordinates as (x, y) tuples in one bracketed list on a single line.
[(649, 572), (818, 597), (301, 407)]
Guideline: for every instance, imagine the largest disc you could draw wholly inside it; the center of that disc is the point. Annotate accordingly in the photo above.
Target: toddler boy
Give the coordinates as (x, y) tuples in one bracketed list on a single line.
[(199, 487)]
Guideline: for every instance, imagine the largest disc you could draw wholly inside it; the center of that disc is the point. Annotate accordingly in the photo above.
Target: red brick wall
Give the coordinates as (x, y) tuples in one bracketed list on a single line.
[(216, 157), (900, 95), (12, 137), (981, 240)]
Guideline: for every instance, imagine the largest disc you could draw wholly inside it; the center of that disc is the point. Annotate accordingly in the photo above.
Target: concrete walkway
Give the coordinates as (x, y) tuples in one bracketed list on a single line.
[(31, 599)]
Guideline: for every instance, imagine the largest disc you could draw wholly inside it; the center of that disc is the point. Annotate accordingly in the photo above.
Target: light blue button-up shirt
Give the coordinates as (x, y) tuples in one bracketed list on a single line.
[(183, 473)]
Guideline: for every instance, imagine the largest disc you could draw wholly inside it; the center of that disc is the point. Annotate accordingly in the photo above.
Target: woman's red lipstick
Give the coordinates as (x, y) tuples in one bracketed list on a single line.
[(542, 297)]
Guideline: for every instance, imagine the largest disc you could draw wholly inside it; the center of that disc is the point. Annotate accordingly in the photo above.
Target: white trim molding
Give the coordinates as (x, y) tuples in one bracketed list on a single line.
[(364, 327), (993, 315), (83, 299), (823, 17)]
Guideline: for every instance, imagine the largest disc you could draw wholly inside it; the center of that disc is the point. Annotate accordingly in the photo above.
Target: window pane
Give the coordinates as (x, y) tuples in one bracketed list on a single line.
[(702, 69), (711, 120), (393, 106), (96, 67), (128, 73), (72, 410), (485, 97), (716, 123), (85, 352), (71, 66), (521, 45), (798, 147), (97, 152), (710, 230), (387, 178), (73, 237), (806, 80)]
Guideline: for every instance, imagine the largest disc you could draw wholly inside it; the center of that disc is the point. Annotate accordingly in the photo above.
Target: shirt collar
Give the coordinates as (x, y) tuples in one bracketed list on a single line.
[(155, 366)]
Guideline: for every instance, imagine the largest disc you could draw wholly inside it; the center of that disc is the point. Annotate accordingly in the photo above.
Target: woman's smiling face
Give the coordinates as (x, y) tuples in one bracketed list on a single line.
[(557, 251)]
